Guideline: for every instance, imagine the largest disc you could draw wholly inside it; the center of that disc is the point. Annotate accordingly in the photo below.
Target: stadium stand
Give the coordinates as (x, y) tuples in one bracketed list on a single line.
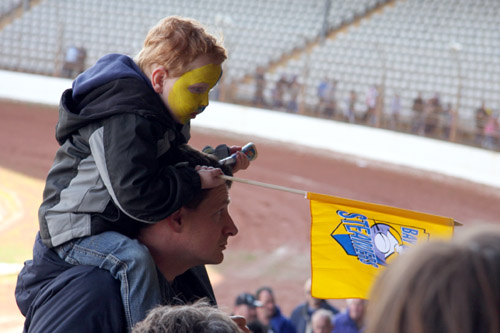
[(255, 32), (8, 6), (445, 47)]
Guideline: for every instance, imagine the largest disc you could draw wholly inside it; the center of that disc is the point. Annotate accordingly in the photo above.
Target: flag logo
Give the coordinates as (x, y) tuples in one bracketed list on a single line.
[(374, 242)]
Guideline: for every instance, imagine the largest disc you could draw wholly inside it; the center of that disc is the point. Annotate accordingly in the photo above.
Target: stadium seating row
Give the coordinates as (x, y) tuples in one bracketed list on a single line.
[(450, 47)]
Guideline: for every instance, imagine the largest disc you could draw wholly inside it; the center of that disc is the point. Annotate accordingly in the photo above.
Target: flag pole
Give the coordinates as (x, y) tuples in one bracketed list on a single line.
[(271, 186)]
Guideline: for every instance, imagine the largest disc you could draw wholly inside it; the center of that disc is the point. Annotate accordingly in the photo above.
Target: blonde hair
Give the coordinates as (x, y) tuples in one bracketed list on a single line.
[(441, 287), (175, 42), (198, 317)]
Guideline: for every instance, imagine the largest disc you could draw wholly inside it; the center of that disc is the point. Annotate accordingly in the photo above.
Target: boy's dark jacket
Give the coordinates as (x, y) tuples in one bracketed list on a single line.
[(115, 168), (55, 296)]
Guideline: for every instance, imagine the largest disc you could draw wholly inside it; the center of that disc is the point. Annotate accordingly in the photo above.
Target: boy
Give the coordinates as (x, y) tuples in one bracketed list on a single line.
[(120, 128)]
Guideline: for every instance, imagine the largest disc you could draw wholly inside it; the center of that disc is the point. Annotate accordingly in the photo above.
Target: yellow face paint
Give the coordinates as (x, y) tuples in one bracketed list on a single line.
[(188, 96)]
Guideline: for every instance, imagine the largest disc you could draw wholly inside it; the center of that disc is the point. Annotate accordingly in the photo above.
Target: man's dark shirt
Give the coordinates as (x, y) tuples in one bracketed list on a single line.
[(55, 296)]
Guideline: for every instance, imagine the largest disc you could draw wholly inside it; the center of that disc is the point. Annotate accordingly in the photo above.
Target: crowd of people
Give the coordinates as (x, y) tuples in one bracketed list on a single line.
[(314, 315), (429, 117)]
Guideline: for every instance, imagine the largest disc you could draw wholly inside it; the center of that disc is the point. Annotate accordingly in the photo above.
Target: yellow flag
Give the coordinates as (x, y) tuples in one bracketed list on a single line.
[(352, 241)]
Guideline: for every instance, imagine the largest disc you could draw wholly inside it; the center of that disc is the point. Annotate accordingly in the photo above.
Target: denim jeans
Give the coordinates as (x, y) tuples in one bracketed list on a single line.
[(127, 260)]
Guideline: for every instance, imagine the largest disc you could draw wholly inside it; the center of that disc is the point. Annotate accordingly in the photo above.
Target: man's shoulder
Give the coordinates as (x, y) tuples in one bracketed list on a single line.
[(81, 299), (342, 319), (282, 323), (327, 306), (299, 309)]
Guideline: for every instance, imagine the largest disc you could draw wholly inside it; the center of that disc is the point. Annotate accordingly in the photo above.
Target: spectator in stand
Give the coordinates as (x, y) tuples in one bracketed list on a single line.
[(372, 97), (491, 132), (246, 305), (322, 92), (74, 62), (481, 119), (418, 119), (352, 319), (260, 84), (433, 110), (269, 313), (441, 287), (322, 321), (278, 92), (350, 107), (327, 105), (293, 94), (447, 120), (395, 111), (198, 317), (302, 314)]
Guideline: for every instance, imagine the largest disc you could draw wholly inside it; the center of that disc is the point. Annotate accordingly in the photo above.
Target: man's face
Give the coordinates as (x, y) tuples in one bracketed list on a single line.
[(356, 309), (247, 311), (313, 302), (266, 311), (208, 228), (187, 95), (322, 325)]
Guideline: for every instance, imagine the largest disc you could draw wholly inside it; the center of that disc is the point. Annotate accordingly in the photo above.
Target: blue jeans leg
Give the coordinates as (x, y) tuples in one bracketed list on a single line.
[(127, 260)]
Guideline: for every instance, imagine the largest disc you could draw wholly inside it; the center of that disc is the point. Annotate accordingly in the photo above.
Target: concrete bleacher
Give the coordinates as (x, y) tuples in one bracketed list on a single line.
[(256, 33), (418, 46), (364, 145), (7, 6)]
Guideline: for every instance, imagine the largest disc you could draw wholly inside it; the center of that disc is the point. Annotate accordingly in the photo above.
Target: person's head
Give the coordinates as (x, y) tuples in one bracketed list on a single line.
[(245, 305), (198, 317), (195, 234), (312, 302), (356, 308), (441, 287), (322, 321), (183, 62), (265, 296)]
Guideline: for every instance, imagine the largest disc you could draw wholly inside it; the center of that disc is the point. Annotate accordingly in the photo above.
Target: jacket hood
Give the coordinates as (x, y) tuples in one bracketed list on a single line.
[(108, 68), (115, 84), (45, 266)]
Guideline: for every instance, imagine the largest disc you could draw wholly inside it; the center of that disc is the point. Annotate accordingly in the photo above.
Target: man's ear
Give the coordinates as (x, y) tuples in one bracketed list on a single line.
[(158, 76), (175, 221)]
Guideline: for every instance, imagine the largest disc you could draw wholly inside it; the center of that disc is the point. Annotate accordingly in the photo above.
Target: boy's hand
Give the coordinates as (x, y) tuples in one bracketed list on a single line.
[(242, 161), (242, 323), (209, 176)]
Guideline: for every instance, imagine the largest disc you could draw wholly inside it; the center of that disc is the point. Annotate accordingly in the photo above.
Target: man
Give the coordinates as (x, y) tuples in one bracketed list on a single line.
[(58, 297), (322, 321), (481, 118), (245, 305), (269, 314), (302, 314), (351, 320)]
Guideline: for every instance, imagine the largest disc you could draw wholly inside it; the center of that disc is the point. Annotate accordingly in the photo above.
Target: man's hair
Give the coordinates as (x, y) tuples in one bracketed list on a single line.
[(441, 287), (198, 317), (322, 313), (264, 288), (175, 42), (193, 157)]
